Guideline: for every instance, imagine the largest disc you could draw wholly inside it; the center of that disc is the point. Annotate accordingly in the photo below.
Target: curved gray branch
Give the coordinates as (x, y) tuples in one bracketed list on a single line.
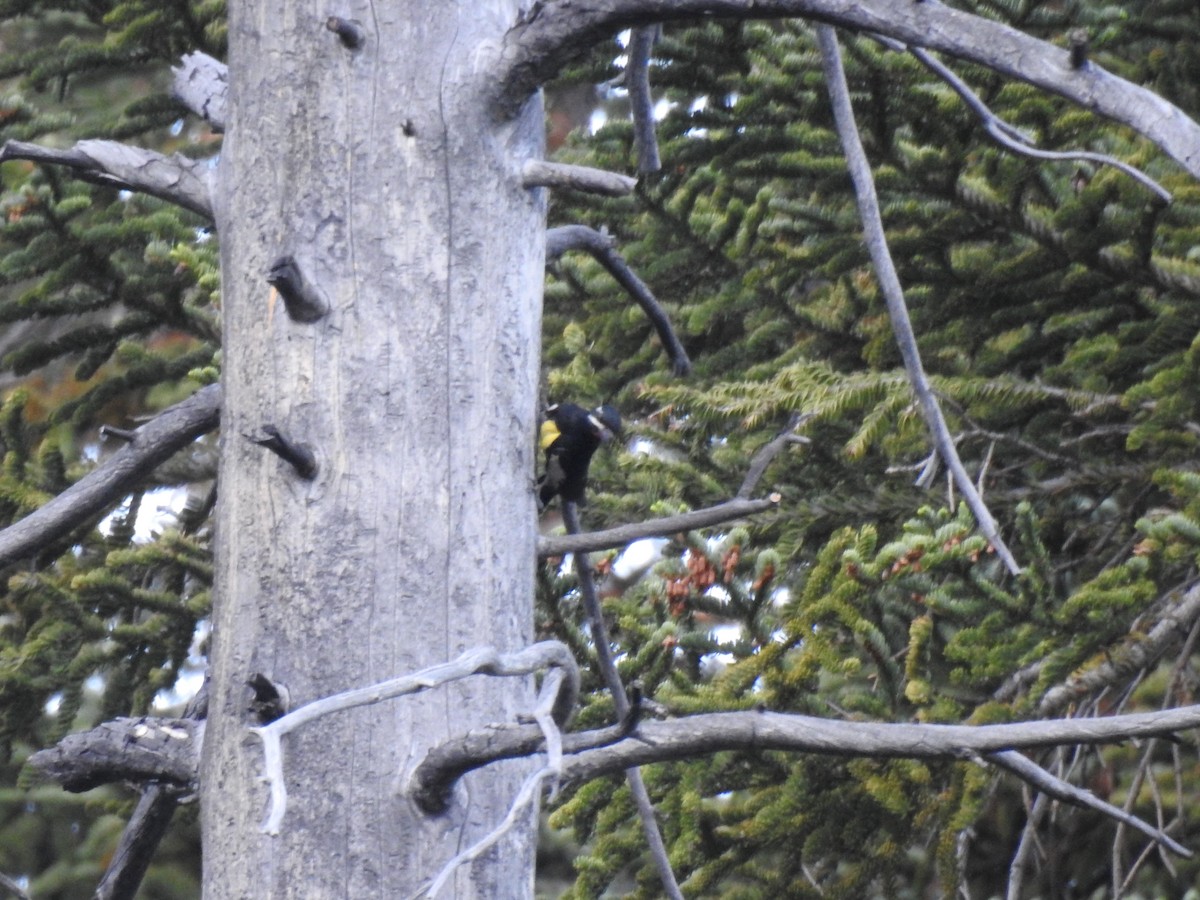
[(176, 179), (151, 444), (893, 292), (641, 101), (610, 538), (600, 245), (536, 49), (589, 755)]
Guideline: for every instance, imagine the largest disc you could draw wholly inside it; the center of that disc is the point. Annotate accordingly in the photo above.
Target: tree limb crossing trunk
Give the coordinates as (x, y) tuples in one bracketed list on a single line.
[(380, 170)]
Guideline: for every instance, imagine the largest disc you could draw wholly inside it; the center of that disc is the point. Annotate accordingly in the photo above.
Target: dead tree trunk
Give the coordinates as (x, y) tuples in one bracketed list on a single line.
[(363, 170)]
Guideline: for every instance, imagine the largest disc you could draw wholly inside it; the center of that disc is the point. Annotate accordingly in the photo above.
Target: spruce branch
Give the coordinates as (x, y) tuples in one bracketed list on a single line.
[(176, 179), (538, 47), (889, 283), (612, 679), (737, 508), (202, 85), (153, 443), (601, 246), (641, 101), (540, 173), (1141, 650)]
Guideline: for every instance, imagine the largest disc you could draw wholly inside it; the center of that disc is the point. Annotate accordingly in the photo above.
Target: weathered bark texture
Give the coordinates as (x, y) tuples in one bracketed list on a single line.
[(383, 174)]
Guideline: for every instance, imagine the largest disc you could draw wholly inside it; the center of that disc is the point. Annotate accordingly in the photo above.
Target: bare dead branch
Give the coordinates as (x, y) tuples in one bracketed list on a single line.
[(702, 735), (141, 837), (1029, 771), (148, 824), (600, 245), (737, 508), (641, 101), (1014, 139), (535, 49), (176, 179), (767, 452), (433, 779), (889, 283), (608, 669), (12, 887), (202, 85), (480, 661), (141, 750), (540, 173), (152, 444), (706, 733)]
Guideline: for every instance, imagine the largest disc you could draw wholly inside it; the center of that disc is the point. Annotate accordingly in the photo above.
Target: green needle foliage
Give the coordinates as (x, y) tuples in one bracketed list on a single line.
[(109, 307), (1056, 306)]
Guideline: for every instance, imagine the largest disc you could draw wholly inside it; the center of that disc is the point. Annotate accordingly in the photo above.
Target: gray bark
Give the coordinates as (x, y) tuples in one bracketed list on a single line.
[(379, 170)]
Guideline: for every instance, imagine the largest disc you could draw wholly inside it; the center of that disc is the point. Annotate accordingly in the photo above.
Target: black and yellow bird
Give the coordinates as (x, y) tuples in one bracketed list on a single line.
[(569, 437)]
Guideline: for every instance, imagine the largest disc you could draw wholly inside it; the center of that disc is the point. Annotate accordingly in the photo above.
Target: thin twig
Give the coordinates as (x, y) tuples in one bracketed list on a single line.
[(600, 245), (736, 508), (1059, 789), (608, 668), (1013, 138), (767, 452), (641, 101), (889, 283), (1020, 860), (12, 887), (529, 792)]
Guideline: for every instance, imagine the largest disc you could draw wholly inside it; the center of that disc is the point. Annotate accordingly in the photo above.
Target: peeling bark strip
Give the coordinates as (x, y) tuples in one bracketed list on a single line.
[(152, 444), (537, 49)]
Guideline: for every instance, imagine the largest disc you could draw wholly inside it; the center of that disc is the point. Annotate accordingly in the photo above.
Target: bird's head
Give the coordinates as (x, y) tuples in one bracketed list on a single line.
[(607, 422)]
